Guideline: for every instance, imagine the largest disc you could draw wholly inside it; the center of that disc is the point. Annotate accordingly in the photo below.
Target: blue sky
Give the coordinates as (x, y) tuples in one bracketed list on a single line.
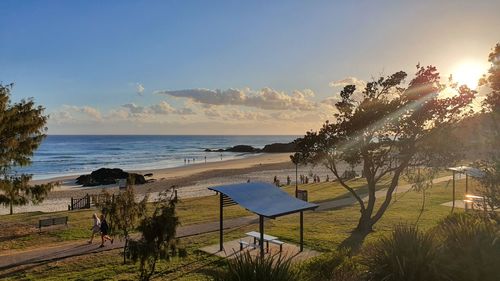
[(86, 60)]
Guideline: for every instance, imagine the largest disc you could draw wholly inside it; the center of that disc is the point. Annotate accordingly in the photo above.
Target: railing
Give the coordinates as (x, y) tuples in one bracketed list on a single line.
[(81, 203)]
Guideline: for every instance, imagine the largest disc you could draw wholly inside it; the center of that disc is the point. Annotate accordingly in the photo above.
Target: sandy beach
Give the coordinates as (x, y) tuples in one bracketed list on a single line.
[(191, 180)]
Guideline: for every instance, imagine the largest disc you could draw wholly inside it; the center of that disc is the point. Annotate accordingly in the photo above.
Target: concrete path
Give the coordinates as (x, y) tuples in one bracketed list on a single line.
[(83, 248)]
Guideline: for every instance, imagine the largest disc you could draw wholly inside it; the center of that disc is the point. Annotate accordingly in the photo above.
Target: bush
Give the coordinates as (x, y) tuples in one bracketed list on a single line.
[(408, 254), (244, 267), (334, 266), (470, 247)]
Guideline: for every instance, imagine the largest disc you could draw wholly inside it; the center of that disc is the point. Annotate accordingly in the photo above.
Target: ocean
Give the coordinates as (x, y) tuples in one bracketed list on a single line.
[(62, 155)]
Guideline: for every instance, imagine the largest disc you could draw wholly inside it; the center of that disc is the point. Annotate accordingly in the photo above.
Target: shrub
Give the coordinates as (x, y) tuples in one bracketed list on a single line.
[(407, 254), (470, 247), (244, 267)]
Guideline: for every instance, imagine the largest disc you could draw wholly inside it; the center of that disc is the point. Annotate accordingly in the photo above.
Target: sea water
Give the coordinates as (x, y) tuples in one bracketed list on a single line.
[(61, 155)]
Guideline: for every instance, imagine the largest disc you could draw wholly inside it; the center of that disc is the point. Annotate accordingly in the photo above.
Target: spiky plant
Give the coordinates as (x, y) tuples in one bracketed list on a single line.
[(407, 254), (245, 267), (469, 246)]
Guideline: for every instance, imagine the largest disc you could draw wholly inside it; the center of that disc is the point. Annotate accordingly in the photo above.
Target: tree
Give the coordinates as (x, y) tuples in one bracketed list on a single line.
[(492, 80), (490, 182), (392, 126), (22, 128), (17, 191), (126, 214), (421, 180), (158, 239)]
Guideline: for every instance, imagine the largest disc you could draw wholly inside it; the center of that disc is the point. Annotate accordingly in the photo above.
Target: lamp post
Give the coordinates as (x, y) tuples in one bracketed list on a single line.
[(296, 160)]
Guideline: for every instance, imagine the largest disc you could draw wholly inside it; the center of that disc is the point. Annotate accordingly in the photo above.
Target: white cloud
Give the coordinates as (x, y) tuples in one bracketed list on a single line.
[(139, 89), (348, 81), (266, 98), (86, 110), (163, 108)]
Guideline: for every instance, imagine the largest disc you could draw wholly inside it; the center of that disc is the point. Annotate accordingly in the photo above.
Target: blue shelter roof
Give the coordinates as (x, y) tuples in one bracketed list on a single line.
[(264, 199)]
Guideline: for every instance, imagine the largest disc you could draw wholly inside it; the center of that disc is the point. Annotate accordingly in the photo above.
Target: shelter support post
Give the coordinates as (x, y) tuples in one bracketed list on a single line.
[(301, 231), (261, 240), (466, 188), (453, 202), (221, 225)]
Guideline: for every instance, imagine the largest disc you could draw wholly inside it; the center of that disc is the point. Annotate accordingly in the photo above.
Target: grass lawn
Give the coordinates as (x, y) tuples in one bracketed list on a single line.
[(324, 231), (19, 230)]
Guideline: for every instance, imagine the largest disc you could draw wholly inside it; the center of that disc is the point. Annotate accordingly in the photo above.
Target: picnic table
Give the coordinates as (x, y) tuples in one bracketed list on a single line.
[(267, 239), (478, 201)]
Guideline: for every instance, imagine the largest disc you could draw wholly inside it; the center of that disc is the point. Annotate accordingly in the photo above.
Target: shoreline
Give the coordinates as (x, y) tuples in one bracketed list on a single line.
[(190, 180), (184, 171)]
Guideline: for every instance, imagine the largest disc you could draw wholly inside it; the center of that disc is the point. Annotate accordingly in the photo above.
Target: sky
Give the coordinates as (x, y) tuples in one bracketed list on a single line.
[(224, 67)]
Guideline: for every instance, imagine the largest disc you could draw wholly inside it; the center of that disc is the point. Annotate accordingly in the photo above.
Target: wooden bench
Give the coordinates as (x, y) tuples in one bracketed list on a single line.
[(278, 242), (245, 244), (51, 222)]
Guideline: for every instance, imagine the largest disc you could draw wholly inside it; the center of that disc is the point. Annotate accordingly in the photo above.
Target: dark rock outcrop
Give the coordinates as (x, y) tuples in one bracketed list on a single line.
[(280, 147), (106, 176), (242, 148), (236, 148)]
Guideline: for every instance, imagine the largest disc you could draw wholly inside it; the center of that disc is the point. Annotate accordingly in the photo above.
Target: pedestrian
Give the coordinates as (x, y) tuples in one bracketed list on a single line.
[(104, 231), (96, 227), (307, 179), (288, 180), (205, 159), (275, 179)]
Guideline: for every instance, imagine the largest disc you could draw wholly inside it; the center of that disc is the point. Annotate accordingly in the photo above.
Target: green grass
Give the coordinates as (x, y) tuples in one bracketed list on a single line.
[(324, 231), (190, 211)]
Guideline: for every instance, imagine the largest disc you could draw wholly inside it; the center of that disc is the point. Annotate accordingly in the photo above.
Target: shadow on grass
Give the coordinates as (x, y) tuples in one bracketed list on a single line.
[(354, 242)]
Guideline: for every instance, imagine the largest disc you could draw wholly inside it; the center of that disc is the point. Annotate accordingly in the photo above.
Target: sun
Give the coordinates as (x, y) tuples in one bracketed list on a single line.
[(468, 73)]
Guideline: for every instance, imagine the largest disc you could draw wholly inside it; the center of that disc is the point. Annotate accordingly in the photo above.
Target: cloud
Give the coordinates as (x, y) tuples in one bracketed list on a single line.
[(86, 110), (348, 81), (266, 98), (135, 109), (163, 108), (139, 89)]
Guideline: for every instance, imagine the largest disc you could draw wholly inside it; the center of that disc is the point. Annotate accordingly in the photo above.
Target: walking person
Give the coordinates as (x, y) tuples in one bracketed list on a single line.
[(104, 231), (96, 227)]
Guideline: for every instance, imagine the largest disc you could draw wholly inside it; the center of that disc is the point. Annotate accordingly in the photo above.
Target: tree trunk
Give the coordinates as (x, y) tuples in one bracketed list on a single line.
[(11, 211), (365, 223)]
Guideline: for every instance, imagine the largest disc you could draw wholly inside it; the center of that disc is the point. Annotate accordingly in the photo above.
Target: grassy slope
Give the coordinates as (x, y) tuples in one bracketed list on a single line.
[(323, 231)]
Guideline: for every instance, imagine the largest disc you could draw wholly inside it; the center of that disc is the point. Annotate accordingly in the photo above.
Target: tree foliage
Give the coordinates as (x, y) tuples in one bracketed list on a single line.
[(492, 80), (392, 126), (22, 129), (158, 236)]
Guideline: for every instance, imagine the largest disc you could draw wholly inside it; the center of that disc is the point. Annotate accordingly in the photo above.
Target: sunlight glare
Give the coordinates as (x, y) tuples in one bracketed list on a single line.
[(468, 73)]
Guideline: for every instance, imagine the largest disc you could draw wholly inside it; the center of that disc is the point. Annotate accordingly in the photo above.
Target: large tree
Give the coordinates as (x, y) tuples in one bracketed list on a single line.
[(391, 126), (490, 182), (22, 129)]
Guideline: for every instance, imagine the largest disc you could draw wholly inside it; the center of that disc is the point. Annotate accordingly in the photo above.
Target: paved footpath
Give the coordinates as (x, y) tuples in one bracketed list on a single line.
[(83, 248)]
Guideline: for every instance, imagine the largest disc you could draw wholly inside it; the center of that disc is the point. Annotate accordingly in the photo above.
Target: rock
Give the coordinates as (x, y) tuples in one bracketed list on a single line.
[(280, 147), (243, 148), (106, 176)]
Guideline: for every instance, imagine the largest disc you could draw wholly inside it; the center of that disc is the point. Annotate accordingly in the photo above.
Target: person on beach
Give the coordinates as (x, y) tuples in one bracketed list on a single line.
[(288, 180), (104, 231), (96, 227)]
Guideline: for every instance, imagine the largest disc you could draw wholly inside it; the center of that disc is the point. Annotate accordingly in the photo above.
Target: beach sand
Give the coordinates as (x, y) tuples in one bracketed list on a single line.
[(190, 180)]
